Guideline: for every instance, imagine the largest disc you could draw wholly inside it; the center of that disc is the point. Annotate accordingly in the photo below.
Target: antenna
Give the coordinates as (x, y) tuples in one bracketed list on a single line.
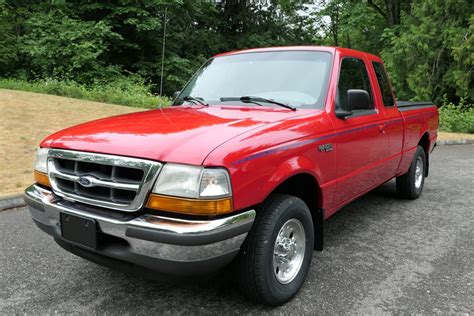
[(163, 52)]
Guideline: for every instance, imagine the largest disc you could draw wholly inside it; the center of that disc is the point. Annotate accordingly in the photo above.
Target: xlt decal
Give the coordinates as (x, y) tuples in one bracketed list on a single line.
[(325, 147)]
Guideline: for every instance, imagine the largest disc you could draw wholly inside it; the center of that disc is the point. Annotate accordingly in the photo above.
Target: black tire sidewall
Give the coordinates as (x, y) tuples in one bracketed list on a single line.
[(297, 210)]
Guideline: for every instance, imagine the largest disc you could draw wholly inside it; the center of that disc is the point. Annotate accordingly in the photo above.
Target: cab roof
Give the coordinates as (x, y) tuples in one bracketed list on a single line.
[(330, 49)]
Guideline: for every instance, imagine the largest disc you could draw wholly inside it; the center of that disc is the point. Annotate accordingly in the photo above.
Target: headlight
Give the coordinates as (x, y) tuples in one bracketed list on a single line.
[(41, 164), (178, 180), (192, 190), (193, 182)]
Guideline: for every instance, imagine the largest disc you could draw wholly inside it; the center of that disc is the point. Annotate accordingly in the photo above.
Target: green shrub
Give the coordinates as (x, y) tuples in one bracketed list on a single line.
[(129, 91), (458, 118)]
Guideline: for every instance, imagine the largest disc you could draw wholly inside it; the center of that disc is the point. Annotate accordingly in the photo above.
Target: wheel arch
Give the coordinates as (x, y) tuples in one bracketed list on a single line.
[(306, 187)]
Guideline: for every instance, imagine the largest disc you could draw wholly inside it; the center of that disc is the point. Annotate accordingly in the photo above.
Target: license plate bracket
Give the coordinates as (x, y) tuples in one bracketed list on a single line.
[(79, 230)]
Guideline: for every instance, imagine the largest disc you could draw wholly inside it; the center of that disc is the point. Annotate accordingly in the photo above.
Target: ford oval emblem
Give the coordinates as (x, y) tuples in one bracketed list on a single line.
[(86, 181)]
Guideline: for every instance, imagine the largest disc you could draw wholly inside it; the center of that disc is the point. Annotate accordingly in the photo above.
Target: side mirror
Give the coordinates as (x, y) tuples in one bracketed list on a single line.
[(358, 99), (342, 114), (176, 94)]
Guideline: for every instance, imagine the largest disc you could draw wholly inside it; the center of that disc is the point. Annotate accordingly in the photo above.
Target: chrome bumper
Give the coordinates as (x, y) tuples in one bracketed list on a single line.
[(164, 244)]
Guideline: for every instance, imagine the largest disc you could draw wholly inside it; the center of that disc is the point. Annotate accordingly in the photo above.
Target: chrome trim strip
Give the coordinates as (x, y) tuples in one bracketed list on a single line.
[(114, 185), (191, 228), (150, 168)]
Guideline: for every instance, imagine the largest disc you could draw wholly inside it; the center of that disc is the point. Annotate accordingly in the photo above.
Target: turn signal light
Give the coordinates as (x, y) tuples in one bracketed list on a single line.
[(42, 178), (190, 206)]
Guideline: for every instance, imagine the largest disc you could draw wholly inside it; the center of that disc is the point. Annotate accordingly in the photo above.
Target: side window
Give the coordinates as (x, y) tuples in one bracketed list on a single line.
[(384, 84), (353, 75)]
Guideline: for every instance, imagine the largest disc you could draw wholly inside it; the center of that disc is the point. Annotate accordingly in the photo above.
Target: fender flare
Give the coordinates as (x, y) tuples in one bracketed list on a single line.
[(301, 166)]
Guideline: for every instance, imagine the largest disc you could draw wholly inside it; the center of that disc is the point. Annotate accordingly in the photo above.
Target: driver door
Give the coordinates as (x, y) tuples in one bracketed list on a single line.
[(360, 144)]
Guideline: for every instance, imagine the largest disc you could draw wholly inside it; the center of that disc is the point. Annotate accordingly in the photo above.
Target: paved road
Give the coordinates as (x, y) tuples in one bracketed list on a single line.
[(382, 255)]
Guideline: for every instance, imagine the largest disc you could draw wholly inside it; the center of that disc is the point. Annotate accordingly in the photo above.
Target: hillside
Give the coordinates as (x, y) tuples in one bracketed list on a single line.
[(26, 118)]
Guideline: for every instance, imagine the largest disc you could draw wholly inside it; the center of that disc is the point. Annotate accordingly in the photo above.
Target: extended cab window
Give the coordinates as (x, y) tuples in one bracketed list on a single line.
[(384, 84), (353, 75)]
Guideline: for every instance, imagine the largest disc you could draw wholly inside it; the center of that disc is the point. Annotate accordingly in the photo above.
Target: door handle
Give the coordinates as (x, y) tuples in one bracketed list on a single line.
[(382, 127)]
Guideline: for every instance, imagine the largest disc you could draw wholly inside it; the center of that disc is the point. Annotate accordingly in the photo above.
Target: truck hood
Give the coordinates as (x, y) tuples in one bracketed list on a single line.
[(184, 134)]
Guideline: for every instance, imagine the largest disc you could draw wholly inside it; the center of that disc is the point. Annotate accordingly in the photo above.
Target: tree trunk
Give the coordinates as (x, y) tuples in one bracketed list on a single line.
[(390, 10)]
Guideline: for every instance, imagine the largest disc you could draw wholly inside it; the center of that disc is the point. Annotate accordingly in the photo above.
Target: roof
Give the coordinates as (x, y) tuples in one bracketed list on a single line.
[(330, 49)]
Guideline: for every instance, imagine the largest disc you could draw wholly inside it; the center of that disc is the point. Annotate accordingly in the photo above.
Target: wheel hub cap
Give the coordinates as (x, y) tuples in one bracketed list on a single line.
[(288, 251), (418, 172)]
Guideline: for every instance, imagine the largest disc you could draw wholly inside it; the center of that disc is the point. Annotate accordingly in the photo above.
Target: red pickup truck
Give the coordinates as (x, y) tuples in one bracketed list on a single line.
[(258, 149)]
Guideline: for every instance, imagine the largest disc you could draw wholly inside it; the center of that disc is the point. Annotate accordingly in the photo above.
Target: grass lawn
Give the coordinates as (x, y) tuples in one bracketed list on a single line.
[(26, 118)]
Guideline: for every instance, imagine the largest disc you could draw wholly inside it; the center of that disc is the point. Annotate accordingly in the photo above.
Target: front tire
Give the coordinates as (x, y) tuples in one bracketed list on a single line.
[(276, 256), (410, 185)]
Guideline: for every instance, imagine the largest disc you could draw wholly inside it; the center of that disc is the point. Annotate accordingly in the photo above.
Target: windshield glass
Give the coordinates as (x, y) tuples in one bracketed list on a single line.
[(297, 78)]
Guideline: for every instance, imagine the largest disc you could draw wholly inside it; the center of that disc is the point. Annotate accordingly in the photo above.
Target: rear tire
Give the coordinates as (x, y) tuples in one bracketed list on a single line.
[(410, 185), (276, 255)]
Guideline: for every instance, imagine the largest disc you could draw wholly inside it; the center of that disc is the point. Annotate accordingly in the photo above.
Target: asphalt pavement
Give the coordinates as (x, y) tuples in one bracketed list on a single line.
[(382, 255)]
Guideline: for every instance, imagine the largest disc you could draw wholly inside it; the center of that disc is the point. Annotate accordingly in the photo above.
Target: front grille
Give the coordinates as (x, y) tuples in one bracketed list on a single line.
[(115, 174), (104, 180)]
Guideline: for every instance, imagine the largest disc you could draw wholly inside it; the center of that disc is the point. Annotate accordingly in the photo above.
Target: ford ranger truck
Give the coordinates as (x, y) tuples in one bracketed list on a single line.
[(256, 151)]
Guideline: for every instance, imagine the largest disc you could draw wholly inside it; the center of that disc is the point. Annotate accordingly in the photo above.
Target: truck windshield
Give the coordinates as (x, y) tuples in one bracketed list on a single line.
[(296, 78)]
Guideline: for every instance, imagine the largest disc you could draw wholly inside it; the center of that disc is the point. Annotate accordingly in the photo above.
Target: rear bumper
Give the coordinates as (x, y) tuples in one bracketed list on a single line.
[(163, 244)]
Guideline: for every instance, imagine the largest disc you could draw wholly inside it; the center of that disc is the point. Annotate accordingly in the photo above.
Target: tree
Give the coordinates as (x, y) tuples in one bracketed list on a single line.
[(352, 24), (58, 46), (390, 10), (431, 53), (427, 44)]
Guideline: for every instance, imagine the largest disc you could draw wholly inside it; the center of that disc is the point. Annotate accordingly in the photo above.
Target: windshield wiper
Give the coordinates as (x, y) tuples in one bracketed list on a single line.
[(195, 100), (225, 99), (250, 99)]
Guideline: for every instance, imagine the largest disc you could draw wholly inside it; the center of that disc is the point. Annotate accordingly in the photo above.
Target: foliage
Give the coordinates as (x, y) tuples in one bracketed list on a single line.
[(125, 91), (428, 45), (432, 52), (458, 118), (88, 40), (59, 46), (352, 25)]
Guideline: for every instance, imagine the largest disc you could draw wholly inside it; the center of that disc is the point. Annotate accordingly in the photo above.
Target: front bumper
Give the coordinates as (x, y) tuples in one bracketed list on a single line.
[(163, 244)]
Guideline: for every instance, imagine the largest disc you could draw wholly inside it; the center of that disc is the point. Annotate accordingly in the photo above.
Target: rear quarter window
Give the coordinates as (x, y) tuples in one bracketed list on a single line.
[(384, 84)]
